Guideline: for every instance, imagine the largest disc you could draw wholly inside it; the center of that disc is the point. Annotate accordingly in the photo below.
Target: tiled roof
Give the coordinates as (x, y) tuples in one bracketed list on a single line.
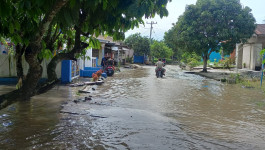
[(260, 30)]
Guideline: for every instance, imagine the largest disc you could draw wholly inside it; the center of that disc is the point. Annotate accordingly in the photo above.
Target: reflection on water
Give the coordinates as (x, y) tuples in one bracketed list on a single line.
[(135, 110), (31, 121)]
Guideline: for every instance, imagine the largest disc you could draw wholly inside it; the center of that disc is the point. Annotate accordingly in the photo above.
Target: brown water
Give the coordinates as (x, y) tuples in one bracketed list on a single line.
[(135, 110)]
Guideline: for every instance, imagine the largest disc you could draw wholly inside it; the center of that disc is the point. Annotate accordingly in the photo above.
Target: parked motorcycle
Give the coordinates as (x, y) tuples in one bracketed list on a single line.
[(109, 70)]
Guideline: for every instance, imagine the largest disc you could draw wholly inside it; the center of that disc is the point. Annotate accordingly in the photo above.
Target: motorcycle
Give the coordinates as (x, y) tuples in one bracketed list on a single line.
[(109, 70), (159, 73)]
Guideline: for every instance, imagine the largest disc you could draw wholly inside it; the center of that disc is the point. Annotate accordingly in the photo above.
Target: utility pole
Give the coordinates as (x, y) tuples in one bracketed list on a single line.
[(152, 22)]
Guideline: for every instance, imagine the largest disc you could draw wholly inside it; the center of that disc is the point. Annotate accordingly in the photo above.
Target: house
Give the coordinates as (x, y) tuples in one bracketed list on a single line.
[(248, 54), (119, 52), (115, 50), (67, 70)]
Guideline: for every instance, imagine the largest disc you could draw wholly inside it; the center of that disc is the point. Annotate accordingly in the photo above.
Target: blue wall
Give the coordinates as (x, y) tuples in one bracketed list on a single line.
[(138, 59), (216, 56), (88, 71), (66, 71), (14, 80)]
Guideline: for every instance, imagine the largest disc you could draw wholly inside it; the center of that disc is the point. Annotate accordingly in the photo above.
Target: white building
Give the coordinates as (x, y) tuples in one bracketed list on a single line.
[(248, 54)]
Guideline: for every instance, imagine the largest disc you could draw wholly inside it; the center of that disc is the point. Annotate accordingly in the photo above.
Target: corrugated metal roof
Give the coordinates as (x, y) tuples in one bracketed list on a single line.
[(260, 30)]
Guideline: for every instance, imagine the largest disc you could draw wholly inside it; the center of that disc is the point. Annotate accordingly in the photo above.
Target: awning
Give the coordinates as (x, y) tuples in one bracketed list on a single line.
[(125, 49), (114, 48)]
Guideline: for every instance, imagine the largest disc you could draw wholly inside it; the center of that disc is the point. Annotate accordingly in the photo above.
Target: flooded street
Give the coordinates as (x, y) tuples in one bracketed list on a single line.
[(136, 110)]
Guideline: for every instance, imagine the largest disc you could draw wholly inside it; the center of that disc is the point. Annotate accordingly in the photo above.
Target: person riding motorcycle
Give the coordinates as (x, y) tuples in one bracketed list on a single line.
[(164, 61), (160, 65)]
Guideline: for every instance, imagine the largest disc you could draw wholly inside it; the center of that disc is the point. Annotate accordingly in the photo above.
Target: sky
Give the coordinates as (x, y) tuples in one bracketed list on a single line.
[(177, 7)]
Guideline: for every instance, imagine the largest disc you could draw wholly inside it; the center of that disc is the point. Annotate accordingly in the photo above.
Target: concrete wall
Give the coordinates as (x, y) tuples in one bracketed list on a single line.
[(239, 55), (8, 67), (247, 48), (129, 53), (249, 53), (257, 56), (251, 56), (88, 63)]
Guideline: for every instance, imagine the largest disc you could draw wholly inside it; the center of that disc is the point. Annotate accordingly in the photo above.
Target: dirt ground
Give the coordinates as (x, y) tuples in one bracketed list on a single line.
[(220, 74)]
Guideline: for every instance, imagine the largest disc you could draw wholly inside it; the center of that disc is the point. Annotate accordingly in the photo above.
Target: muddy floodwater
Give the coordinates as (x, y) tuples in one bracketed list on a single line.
[(136, 110)]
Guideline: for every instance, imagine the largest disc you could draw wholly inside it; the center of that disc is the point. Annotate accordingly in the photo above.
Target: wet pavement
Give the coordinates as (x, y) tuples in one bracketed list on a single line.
[(136, 110)]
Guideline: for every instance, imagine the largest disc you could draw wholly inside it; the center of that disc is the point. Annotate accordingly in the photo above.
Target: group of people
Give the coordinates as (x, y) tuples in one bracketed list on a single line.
[(106, 61)]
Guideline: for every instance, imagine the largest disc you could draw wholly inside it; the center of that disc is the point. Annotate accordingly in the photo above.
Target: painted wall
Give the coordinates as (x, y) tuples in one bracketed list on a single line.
[(251, 57), (88, 63), (249, 53), (8, 67), (216, 56), (129, 53), (246, 56)]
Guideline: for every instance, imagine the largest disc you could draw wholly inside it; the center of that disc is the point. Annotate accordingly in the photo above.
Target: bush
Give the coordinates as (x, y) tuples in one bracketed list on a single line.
[(191, 59), (193, 63), (154, 60), (226, 63), (169, 61), (129, 59)]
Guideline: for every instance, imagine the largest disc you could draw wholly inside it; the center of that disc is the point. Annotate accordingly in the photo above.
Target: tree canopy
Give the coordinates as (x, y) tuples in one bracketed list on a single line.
[(40, 27), (170, 39), (161, 50), (209, 24), (140, 45)]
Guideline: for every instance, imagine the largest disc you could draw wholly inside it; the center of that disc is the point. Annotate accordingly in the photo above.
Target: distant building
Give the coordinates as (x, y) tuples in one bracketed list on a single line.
[(248, 54)]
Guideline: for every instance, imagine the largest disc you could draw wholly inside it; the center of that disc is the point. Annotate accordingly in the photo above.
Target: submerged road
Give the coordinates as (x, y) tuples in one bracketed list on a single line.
[(136, 110)]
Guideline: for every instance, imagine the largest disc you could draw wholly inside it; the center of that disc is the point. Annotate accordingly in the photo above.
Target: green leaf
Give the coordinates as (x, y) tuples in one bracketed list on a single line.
[(262, 52), (28, 4), (17, 25), (97, 33), (105, 3), (43, 44), (11, 28), (68, 17), (72, 3), (39, 2), (45, 54), (17, 39), (94, 43)]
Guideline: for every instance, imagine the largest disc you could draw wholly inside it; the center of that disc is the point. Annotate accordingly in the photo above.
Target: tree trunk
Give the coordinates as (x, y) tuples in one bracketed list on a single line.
[(29, 86), (205, 59), (19, 52), (8, 99), (52, 76), (78, 47), (34, 73)]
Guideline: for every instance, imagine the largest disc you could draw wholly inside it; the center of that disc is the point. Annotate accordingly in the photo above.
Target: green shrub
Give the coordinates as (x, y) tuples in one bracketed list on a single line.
[(154, 60), (191, 59), (169, 61), (226, 63), (193, 62)]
